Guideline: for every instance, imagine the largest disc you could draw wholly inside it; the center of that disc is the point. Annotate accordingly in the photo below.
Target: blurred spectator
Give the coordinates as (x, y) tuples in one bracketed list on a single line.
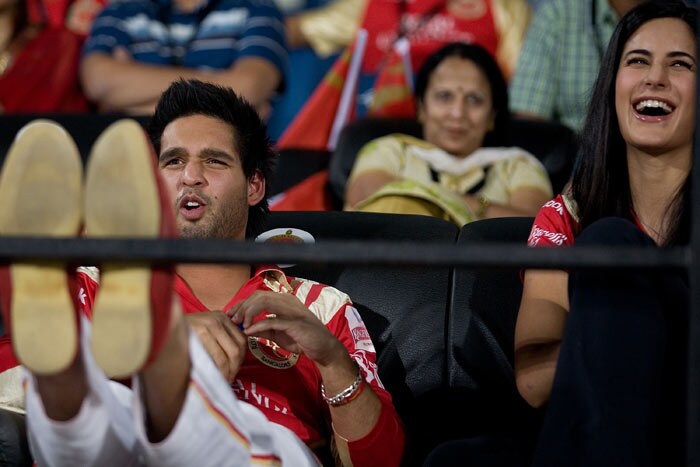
[(138, 47), (560, 58), (75, 15), (39, 55), (326, 26), (317, 30), (499, 26), (462, 103)]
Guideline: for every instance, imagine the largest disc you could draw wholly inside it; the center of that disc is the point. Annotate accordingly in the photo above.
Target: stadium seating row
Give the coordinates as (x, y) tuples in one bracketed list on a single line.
[(554, 144), (444, 336)]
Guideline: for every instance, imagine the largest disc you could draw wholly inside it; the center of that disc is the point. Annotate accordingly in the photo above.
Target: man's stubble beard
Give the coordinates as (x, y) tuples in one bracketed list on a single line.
[(227, 224)]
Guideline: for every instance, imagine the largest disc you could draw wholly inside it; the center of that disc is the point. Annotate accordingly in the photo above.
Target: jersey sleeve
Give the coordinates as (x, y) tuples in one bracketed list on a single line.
[(553, 225), (384, 444)]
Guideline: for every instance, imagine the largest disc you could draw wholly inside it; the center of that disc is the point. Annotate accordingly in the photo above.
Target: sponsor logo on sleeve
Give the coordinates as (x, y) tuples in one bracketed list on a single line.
[(360, 336), (556, 205), (537, 234)]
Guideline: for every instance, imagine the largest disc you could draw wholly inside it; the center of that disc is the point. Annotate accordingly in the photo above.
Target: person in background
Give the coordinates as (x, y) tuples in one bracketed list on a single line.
[(498, 26), (39, 53), (138, 47), (458, 170), (75, 15), (606, 351), (560, 57)]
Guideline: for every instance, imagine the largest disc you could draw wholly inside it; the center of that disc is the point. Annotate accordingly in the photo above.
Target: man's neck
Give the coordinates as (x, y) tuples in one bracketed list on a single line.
[(214, 284)]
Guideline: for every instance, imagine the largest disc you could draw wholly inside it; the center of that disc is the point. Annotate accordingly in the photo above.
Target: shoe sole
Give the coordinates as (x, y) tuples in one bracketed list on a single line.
[(41, 189), (121, 200)]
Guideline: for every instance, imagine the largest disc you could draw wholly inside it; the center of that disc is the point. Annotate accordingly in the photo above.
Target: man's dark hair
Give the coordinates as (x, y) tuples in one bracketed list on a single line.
[(192, 97), (488, 66), (600, 181)]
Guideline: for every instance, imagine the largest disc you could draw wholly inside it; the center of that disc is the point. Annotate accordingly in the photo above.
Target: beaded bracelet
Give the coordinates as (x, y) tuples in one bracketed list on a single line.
[(346, 395)]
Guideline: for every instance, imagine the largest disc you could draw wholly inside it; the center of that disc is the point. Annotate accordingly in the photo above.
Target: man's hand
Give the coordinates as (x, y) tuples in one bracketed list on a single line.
[(222, 339), (292, 326)]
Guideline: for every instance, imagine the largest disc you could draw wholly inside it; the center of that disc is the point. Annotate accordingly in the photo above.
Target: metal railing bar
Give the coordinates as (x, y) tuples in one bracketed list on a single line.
[(374, 253)]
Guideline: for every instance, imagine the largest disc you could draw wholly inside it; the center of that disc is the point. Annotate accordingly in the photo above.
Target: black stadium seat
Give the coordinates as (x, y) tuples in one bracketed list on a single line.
[(443, 336), (292, 166), (84, 128), (480, 337), (404, 309), (295, 165), (14, 447)]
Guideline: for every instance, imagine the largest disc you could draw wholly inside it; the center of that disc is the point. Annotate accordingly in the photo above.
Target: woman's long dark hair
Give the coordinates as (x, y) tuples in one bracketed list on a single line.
[(488, 66), (600, 182)]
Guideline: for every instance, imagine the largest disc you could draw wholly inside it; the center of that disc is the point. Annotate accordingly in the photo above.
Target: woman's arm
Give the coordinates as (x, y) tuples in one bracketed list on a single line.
[(366, 184), (378, 163), (108, 81), (538, 333), (523, 202)]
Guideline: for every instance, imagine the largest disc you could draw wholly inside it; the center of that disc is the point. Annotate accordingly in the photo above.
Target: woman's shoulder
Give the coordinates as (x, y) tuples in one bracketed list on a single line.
[(507, 157), (556, 223), (397, 141), (405, 139)]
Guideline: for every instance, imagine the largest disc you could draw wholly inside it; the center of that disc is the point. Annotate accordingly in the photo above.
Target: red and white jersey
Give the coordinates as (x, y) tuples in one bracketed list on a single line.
[(556, 223), (286, 386)]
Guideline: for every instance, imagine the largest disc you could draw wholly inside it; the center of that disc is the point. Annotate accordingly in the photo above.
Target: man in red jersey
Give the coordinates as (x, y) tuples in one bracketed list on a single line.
[(290, 359)]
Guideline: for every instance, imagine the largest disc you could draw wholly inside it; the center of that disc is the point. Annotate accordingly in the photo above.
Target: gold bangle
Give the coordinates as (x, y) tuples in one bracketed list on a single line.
[(484, 204)]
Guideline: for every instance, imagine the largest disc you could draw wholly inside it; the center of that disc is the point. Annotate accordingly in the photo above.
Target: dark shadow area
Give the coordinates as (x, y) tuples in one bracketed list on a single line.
[(404, 310), (84, 128), (14, 448)]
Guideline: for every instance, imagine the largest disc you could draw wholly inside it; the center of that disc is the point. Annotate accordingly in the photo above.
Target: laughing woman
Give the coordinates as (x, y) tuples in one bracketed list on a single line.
[(605, 351)]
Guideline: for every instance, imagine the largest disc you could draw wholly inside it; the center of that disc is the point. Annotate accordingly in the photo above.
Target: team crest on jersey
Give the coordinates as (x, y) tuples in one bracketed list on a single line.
[(271, 354)]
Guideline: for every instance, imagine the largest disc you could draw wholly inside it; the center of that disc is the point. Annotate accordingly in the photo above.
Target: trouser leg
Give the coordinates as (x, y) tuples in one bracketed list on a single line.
[(213, 421), (99, 435)]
